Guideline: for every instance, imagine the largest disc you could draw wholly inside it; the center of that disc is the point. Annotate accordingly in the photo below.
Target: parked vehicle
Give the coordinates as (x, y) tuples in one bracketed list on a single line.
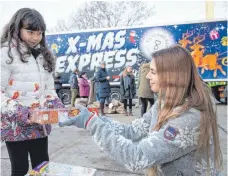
[(206, 41)]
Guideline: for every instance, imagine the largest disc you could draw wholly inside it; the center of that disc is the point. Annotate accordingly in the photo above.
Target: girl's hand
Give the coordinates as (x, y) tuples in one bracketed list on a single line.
[(81, 120)]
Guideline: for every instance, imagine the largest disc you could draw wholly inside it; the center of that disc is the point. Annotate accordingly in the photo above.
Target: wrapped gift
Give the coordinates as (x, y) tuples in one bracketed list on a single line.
[(58, 169), (50, 116)]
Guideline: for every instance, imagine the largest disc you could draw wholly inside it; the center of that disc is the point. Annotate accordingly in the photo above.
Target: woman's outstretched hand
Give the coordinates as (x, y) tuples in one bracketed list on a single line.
[(81, 120)]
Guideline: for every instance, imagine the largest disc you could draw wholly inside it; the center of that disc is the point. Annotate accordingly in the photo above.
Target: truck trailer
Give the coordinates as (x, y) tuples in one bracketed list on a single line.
[(206, 41)]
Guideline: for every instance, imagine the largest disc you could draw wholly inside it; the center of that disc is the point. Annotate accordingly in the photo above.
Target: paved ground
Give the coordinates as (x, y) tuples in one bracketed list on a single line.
[(74, 146)]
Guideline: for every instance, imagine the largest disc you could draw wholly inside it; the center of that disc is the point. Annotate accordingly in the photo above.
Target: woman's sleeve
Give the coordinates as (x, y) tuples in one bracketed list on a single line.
[(136, 130), (175, 139), (121, 85), (99, 78)]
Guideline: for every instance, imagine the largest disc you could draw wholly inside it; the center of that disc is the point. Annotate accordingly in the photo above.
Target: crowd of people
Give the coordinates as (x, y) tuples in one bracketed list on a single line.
[(80, 87), (178, 135)]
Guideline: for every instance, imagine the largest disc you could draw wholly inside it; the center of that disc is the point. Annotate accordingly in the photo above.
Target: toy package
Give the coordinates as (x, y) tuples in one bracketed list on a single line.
[(58, 169), (51, 116)]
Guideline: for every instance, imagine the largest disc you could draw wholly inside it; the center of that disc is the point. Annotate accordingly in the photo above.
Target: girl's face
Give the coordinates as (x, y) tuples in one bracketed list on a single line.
[(153, 77), (102, 65), (129, 69), (31, 38)]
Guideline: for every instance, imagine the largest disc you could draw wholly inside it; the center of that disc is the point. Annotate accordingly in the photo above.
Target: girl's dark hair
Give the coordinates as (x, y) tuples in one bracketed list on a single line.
[(81, 74), (32, 20)]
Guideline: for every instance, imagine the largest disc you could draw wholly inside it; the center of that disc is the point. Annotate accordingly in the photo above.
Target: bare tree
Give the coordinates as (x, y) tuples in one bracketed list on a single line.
[(102, 14), (60, 26)]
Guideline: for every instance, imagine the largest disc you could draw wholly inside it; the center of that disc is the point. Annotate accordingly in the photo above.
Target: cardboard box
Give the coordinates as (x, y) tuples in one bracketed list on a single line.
[(51, 116), (58, 169)]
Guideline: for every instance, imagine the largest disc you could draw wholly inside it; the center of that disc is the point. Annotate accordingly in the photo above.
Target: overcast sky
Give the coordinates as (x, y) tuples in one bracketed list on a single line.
[(166, 12)]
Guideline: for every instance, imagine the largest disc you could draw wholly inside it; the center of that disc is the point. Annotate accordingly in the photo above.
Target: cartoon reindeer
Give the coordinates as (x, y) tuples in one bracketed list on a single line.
[(184, 41), (198, 49), (209, 62)]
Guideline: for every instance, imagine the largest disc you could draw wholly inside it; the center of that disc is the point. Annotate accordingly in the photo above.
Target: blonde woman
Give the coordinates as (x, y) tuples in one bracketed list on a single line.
[(178, 136)]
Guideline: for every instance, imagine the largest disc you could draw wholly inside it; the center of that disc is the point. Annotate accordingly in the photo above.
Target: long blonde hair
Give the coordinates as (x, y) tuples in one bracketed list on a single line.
[(179, 80), (125, 72)]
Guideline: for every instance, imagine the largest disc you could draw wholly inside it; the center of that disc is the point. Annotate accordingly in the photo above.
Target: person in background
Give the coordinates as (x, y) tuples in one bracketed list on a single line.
[(58, 84), (104, 87), (144, 91), (178, 136), (83, 85), (96, 84), (26, 83), (127, 88), (74, 86)]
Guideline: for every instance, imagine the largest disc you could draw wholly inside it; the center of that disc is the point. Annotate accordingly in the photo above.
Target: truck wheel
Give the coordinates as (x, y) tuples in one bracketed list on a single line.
[(66, 96), (115, 94)]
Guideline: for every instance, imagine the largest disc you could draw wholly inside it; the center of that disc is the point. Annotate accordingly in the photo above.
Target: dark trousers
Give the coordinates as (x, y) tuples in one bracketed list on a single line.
[(59, 94), (144, 102), (18, 154), (102, 100), (125, 104)]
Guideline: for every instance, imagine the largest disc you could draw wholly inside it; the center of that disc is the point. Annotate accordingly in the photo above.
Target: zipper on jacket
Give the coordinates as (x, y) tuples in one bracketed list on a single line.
[(41, 93)]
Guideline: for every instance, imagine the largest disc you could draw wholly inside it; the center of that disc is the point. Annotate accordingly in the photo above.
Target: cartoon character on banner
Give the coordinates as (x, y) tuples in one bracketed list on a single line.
[(198, 49), (54, 48), (184, 41), (209, 62), (224, 41), (132, 37), (214, 34)]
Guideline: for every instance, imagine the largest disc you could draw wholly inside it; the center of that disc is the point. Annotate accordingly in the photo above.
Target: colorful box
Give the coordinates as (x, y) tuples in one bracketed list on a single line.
[(58, 169), (51, 116), (95, 110)]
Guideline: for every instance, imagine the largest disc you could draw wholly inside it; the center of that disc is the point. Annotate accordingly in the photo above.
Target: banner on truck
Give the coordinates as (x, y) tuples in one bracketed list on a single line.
[(207, 43)]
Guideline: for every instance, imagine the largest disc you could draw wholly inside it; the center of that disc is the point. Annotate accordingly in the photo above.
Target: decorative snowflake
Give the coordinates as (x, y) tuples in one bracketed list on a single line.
[(143, 163), (140, 126), (123, 141), (201, 167), (187, 137)]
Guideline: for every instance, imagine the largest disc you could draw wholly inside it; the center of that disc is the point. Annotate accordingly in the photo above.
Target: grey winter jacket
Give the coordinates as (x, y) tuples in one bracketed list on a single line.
[(127, 92), (136, 146), (73, 81)]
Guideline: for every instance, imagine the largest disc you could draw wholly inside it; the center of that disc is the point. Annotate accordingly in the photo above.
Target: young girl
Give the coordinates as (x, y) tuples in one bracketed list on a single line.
[(26, 83), (127, 88), (83, 85), (177, 136)]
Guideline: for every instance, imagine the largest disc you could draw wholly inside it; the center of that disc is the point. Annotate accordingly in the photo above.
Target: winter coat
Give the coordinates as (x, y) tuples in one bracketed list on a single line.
[(24, 86), (58, 83), (83, 87), (96, 84), (172, 149), (73, 81), (104, 87), (143, 86), (127, 91)]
